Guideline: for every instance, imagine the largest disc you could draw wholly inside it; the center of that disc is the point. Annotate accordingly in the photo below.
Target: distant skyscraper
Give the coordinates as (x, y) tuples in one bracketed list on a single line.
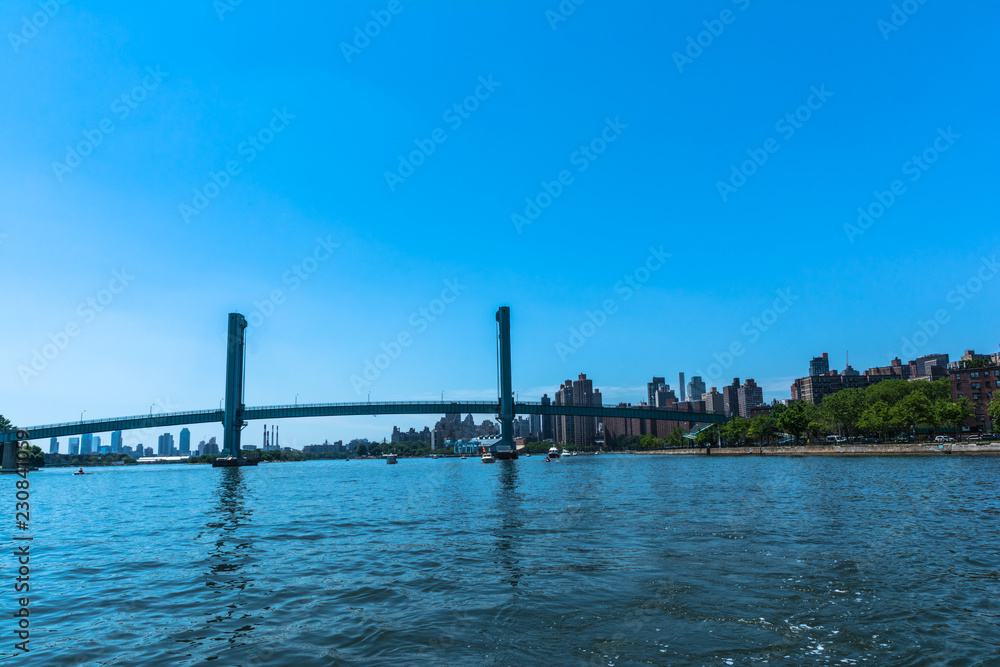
[(148, 451), (680, 385), (731, 398), (546, 420), (695, 388), (819, 365), (74, 446), (165, 445), (116, 442), (713, 402), (652, 388), (96, 444), (185, 446), (750, 396), (86, 444)]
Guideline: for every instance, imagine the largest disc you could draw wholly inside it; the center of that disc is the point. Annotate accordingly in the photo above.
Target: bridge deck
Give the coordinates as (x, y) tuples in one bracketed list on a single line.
[(351, 409)]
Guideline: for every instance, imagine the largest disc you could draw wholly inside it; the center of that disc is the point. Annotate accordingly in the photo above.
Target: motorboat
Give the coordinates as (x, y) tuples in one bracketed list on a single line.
[(488, 458), (565, 452), (390, 459), (464, 457), (553, 452), (494, 444)]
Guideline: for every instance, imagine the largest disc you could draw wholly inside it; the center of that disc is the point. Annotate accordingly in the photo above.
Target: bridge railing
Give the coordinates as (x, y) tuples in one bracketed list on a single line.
[(97, 422)]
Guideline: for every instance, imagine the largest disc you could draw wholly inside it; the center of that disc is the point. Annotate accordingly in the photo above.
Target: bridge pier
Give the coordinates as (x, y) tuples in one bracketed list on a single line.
[(506, 415), (9, 457), (232, 421)]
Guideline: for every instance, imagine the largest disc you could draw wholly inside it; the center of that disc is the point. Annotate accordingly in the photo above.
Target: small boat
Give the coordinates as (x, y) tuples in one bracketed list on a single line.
[(565, 452), (390, 459), (464, 457), (553, 453), (85, 473), (575, 454), (527, 456), (487, 458)]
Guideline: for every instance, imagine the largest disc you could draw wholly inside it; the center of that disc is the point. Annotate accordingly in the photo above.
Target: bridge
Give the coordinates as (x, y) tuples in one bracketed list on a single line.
[(236, 415)]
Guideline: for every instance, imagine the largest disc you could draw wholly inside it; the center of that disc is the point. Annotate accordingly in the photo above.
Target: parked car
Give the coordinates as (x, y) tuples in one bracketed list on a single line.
[(835, 439), (984, 437), (975, 438), (868, 441), (944, 438)]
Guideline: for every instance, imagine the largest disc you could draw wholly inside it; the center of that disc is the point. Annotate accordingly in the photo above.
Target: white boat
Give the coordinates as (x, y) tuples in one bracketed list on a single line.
[(464, 457), (575, 454), (390, 459), (553, 452), (565, 452), (487, 458)]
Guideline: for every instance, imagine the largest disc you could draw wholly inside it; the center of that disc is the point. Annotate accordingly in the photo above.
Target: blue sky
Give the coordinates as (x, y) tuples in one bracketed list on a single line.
[(614, 122)]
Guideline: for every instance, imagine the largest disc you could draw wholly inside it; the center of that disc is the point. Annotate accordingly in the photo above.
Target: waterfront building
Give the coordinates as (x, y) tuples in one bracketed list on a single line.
[(749, 396), (53, 445), (116, 442), (95, 445), (74, 446), (185, 442), (165, 445), (978, 382), (86, 444), (713, 402)]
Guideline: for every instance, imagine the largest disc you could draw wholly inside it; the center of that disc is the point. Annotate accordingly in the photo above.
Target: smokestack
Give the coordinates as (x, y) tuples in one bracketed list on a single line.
[(276, 437)]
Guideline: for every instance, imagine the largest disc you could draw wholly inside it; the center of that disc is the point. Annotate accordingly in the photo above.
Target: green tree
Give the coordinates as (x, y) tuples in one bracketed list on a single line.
[(5, 424), (794, 420), (676, 437), (361, 450), (955, 414), (994, 410), (844, 409), (762, 429)]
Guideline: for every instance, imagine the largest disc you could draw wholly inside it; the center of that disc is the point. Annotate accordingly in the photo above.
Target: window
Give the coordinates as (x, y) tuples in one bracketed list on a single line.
[(977, 385), (974, 374), (975, 397)]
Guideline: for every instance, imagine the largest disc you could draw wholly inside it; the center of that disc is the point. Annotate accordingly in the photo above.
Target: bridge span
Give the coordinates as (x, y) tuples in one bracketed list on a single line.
[(236, 415), (273, 412)]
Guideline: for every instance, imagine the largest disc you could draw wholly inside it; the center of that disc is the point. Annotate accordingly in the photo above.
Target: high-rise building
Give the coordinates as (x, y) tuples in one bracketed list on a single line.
[(749, 396), (53, 445), (96, 444), (664, 397), (546, 420), (116, 442), (928, 361), (148, 451), (819, 365), (185, 445), (713, 402), (165, 445), (731, 398), (653, 387), (681, 386), (86, 444), (74, 446), (695, 388)]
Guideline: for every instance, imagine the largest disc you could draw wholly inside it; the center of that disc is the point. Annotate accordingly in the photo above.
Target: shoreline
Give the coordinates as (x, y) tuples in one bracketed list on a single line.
[(960, 449)]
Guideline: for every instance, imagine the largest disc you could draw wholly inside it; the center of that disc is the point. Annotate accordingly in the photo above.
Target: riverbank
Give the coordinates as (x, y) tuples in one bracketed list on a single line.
[(961, 449)]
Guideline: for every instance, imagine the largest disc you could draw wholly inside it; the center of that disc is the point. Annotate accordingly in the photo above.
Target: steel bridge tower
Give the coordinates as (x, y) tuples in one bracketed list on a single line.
[(506, 397)]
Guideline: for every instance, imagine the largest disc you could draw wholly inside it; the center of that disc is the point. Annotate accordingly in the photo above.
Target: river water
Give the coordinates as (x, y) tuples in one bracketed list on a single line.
[(591, 560)]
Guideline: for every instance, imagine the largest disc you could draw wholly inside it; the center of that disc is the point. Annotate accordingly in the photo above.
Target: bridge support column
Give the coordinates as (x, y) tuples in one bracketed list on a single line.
[(506, 415), (235, 357), (9, 456)]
